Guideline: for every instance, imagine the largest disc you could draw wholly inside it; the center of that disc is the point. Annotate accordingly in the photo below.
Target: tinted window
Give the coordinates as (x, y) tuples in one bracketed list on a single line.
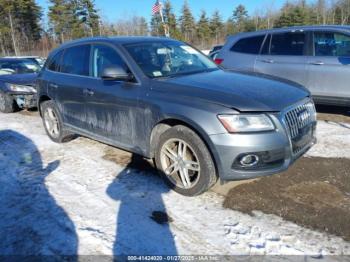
[(288, 44), (76, 60), (250, 45), (54, 64), (331, 44), (102, 57)]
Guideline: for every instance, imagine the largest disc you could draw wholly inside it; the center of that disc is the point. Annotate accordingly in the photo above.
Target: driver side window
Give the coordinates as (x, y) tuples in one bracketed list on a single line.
[(102, 57)]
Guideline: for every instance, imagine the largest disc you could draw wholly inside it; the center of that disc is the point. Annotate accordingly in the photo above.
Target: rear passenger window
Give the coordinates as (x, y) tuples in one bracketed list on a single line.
[(76, 60), (54, 64), (292, 44), (250, 45), (104, 56), (331, 44)]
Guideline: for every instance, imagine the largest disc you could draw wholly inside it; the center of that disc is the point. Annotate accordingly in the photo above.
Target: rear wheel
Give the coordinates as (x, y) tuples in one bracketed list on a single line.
[(7, 103), (53, 123), (185, 162)]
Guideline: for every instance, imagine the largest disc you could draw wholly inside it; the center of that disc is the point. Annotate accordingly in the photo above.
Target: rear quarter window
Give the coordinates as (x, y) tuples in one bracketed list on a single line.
[(249, 45)]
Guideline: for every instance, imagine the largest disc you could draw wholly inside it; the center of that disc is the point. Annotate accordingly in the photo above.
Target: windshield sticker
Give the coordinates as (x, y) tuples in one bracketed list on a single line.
[(189, 49), (162, 51), (157, 73)]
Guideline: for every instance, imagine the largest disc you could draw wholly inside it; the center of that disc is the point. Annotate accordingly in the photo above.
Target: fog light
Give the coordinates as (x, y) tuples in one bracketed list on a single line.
[(249, 160)]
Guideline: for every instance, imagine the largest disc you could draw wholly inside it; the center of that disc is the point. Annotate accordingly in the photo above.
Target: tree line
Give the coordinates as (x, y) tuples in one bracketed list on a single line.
[(25, 30)]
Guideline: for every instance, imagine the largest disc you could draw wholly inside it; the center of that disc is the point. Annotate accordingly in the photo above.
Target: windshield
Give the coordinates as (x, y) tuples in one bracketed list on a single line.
[(169, 59), (16, 66)]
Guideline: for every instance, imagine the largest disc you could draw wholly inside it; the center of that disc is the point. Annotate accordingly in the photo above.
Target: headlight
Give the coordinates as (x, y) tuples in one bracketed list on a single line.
[(246, 123), (21, 88)]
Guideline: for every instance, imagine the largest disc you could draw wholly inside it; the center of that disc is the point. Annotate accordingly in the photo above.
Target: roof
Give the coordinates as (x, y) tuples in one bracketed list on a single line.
[(13, 59), (119, 40), (298, 28), (21, 57)]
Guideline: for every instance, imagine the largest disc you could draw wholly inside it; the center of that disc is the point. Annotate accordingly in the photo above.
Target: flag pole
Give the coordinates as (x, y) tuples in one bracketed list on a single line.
[(165, 26)]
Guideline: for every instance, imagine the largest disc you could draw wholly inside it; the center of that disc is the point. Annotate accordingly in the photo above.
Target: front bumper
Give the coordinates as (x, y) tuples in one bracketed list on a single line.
[(26, 100), (274, 149)]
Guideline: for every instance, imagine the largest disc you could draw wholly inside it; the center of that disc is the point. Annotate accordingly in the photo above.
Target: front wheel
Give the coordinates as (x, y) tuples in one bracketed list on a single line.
[(185, 162)]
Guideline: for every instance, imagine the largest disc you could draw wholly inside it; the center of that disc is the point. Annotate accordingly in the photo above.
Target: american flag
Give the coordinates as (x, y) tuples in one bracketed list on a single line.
[(157, 7)]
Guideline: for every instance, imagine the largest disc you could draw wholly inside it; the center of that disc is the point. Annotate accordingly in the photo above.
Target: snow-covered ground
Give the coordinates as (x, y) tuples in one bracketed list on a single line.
[(66, 199)]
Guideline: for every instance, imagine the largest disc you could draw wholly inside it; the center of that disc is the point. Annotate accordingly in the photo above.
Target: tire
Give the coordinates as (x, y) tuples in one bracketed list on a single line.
[(54, 127), (7, 103), (201, 172)]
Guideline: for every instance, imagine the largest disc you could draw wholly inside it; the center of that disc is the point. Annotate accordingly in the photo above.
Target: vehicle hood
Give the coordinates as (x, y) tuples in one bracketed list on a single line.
[(238, 90), (20, 79)]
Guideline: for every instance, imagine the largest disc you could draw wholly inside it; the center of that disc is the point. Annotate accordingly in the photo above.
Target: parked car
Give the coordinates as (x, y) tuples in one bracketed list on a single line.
[(213, 55), (19, 65), (214, 50), (165, 100), (36, 59), (317, 57), (17, 91), (17, 84)]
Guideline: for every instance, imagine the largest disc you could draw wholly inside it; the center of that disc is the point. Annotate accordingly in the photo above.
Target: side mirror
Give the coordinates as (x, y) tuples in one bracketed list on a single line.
[(115, 72)]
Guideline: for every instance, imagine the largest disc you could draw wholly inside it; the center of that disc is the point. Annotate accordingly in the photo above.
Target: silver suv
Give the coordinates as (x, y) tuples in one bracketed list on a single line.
[(317, 57)]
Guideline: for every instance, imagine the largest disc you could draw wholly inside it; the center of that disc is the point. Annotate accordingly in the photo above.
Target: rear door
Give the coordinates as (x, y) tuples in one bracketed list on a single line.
[(329, 67), (243, 53), (69, 85), (283, 55)]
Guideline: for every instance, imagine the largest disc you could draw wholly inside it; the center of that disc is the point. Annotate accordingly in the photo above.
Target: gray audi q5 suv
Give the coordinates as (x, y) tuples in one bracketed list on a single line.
[(317, 57), (163, 99)]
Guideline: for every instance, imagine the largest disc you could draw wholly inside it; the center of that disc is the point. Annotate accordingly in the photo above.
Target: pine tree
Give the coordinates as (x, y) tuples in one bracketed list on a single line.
[(292, 15), (170, 20), (203, 29), (239, 17), (58, 17), (229, 27), (143, 26), (89, 16), (187, 23), (216, 26), (156, 26), (19, 25)]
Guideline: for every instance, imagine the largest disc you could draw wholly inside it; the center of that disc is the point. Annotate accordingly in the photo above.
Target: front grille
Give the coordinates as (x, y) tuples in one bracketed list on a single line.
[(300, 122)]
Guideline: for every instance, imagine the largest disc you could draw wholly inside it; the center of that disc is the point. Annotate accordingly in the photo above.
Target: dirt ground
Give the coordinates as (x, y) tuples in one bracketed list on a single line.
[(314, 192), (333, 114)]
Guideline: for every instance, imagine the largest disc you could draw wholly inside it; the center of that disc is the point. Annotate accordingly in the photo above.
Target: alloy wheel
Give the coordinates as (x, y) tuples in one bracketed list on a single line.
[(180, 163), (51, 122)]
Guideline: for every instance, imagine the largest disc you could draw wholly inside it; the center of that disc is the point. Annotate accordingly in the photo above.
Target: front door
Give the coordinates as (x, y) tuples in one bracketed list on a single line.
[(112, 106), (283, 56), (329, 68)]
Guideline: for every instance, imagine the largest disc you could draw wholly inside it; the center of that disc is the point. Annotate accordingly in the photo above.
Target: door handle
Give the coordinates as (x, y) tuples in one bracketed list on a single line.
[(317, 63), (53, 85), (89, 92), (269, 61)]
